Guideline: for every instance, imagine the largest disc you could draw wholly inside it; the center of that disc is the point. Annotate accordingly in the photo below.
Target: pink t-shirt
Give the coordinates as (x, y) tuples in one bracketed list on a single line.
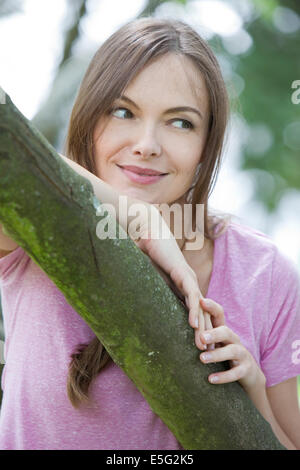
[(257, 286)]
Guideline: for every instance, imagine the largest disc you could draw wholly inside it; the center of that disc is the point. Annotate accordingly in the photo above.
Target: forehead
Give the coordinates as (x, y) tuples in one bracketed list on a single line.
[(172, 79)]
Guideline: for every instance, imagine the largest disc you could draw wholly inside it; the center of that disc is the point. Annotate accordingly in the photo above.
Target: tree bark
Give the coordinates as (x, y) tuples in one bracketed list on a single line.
[(51, 212)]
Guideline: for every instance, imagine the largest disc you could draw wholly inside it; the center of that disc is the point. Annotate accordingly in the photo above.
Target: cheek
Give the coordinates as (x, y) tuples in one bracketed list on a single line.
[(107, 149), (188, 157), (104, 146), (101, 151), (111, 140)]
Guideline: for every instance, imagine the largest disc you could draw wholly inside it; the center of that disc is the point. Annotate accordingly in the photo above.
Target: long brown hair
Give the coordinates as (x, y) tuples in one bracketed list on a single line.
[(117, 61)]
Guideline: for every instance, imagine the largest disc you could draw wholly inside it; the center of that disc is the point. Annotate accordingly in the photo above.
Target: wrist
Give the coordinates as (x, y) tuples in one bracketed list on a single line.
[(153, 225), (255, 382)]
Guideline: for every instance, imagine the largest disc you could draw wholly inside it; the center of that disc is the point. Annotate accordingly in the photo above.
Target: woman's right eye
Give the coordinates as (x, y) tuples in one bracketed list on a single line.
[(120, 110)]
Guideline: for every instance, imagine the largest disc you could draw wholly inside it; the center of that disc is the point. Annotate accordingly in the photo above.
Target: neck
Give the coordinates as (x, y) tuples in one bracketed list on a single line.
[(181, 225)]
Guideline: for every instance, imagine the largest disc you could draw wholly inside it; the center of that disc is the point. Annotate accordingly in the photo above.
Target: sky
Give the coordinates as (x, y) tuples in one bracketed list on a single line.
[(31, 42)]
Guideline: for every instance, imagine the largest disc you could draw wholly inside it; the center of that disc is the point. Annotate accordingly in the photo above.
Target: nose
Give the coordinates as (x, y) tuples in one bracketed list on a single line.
[(146, 144)]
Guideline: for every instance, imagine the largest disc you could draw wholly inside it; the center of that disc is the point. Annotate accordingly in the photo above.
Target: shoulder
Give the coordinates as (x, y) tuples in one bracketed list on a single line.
[(248, 237), (252, 253), (246, 246)]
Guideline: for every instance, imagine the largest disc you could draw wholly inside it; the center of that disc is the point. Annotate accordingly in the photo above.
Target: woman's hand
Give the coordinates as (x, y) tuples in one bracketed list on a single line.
[(157, 241), (243, 366)]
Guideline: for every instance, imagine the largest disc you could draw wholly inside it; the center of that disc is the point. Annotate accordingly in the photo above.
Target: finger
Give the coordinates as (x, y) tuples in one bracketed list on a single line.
[(231, 352), (231, 375), (195, 310), (215, 310), (200, 330), (201, 319), (221, 334), (208, 326), (207, 320), (196, 318)]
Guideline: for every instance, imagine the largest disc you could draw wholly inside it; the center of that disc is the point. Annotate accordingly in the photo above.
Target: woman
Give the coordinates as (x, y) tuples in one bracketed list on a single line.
[(152, 100)]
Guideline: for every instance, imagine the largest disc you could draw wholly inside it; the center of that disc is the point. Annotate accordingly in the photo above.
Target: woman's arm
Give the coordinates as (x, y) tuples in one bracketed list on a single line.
[(259, 397), (283, 399)]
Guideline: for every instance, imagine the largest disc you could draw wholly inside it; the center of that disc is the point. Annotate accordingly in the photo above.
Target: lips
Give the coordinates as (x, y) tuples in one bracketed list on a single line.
[(135, 175), (142, 171)]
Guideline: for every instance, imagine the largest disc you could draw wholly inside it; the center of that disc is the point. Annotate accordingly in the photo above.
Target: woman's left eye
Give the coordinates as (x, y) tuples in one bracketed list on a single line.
[(186, 123)]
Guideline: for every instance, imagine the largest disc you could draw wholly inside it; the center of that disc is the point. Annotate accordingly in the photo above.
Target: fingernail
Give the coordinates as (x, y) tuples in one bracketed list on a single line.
[(207, 336), (197, 322), (206, 356), (214, 379), (206, 302)]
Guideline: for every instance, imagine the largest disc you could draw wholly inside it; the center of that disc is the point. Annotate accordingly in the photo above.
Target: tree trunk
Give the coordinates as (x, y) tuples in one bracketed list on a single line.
[(51, 213)]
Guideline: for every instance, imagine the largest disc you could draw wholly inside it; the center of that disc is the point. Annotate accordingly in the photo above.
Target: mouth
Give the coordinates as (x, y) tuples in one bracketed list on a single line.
[(142, 178)]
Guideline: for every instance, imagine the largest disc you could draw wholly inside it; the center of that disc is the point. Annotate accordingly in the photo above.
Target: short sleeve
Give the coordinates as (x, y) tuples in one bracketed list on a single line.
[(10, 263), (280, 359)]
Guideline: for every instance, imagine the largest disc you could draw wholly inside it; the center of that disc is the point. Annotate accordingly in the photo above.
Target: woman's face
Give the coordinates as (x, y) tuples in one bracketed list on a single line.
[(142, 131)]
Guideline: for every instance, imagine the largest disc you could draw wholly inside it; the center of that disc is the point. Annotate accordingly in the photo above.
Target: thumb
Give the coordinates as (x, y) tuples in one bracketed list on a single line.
[(215, 310)]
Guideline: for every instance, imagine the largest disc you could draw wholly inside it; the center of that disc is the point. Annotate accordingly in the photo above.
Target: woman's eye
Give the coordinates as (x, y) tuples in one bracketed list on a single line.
[(120, 111), (187, 124)]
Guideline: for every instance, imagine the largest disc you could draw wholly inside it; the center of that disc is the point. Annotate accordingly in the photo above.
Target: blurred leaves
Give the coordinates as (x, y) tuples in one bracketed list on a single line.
[(153, 4), (54, 113), (53, 116), (9, 7), (78, 10), (269, 71), (151, 7), (266, 8)]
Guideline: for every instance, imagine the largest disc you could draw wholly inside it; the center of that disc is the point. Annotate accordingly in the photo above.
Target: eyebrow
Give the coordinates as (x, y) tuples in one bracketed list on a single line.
[(168, 111)]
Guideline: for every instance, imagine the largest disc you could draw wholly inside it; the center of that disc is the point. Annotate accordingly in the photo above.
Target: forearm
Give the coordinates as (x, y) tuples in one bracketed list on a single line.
[(108, 195), (259, 398)]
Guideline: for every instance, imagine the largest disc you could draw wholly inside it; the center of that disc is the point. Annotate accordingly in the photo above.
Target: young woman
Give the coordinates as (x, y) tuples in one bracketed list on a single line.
[(149, 123)]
